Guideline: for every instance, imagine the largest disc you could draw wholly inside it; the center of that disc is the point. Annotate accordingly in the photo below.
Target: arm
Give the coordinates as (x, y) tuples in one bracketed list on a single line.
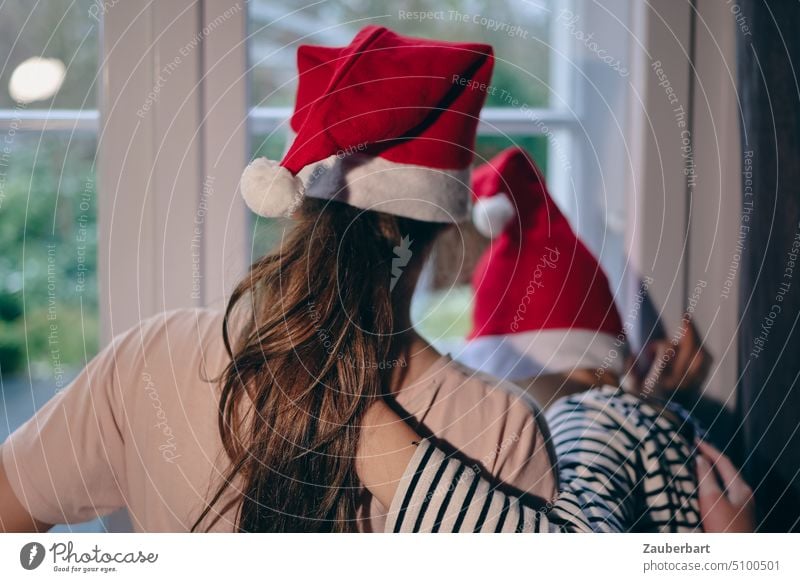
[(680, 363), (66, 463), (13, 516), (676, 364), (723, 510)]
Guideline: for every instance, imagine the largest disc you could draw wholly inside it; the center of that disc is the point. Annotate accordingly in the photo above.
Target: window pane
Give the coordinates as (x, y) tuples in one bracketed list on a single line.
[(65, 35), (48, 268), (519, 32), (266, 232), (489, 146)]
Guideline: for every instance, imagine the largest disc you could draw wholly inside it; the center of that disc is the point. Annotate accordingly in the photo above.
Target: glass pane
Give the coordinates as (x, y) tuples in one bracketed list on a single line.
[(50, 54), (519, 32), (266, 232), (488, 146), (443, 315), (48, 268)]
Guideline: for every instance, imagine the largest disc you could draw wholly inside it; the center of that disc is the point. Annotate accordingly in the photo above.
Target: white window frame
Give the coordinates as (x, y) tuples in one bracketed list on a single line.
[(172, 229), (687, 234), (43, 120)]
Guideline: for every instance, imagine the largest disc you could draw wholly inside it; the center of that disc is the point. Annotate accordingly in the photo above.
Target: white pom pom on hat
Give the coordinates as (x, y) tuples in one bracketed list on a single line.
[(492, 214), (269, 189)]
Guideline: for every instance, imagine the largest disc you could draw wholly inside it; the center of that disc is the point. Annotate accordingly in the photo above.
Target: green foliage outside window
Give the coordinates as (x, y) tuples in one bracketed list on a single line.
[(48, 266)]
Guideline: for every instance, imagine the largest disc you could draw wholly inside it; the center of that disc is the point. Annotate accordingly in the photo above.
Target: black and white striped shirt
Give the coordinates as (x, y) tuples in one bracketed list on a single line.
[(624, 465)]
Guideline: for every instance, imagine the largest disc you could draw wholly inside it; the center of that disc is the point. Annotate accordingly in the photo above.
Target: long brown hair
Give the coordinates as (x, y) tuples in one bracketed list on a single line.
[(313, 352)]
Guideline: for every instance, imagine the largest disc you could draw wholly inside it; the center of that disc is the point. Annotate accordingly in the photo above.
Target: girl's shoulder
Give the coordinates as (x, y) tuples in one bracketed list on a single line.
[(476, 387), (179, 351), (488, 419)]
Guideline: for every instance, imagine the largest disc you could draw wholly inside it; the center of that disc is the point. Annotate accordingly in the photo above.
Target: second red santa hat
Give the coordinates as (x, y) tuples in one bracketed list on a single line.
[(542, 301), (386, 123)]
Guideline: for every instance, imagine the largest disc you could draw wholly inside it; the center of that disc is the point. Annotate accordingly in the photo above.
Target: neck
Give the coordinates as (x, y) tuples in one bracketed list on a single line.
[(411, 355), (414, 358)]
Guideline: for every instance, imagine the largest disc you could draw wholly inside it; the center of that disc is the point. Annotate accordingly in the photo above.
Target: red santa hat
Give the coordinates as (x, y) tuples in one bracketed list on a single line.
[(542, 301), (386, 123)]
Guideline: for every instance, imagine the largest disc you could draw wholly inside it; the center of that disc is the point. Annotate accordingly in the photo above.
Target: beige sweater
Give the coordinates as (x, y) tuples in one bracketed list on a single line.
[(138, 429)]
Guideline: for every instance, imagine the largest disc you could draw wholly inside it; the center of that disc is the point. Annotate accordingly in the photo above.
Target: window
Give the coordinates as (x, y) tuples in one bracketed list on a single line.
[(48, 284), (546, 76), (537, 81), (49, 317)]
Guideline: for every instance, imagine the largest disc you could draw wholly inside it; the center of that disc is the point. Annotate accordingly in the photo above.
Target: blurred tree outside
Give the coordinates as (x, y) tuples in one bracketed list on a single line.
[(522, 61), (48, 268)]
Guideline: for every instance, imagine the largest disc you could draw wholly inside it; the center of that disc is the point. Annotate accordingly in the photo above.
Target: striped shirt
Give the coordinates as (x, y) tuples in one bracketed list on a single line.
[(624, 465)]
